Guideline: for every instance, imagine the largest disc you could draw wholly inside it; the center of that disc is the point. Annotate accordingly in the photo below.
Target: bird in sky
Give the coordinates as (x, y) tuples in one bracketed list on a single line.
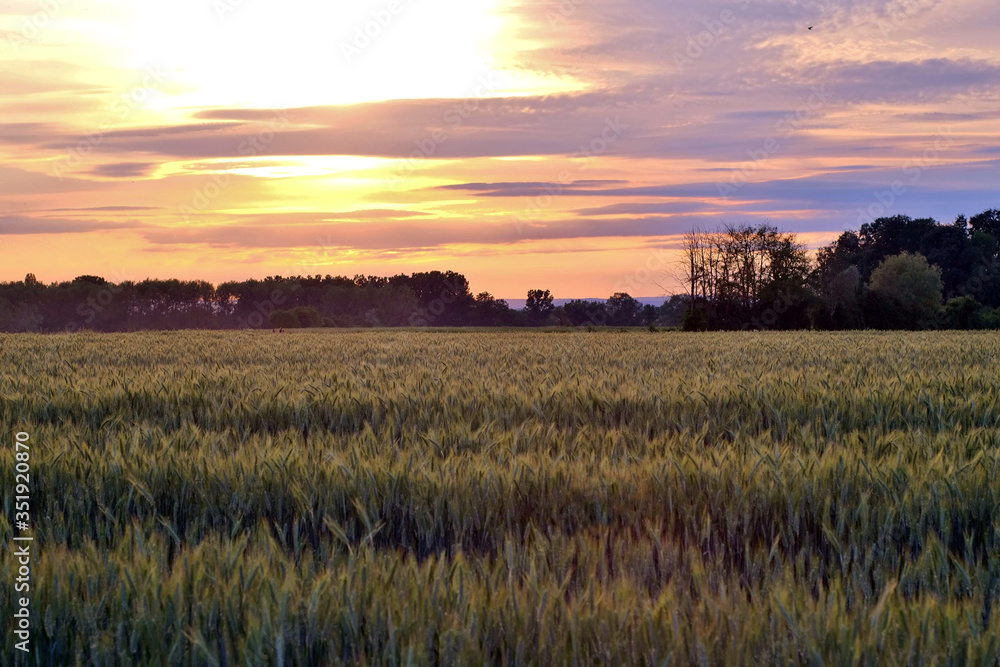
[(810, 27)]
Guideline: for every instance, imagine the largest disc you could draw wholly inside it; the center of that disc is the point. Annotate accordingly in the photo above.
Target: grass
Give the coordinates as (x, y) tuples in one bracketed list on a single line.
[(508, 497)]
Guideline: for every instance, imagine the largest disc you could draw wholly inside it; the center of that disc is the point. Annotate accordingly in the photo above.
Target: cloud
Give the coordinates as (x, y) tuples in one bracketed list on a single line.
[(415, 129), (19, 182), (15, 224), (124, 169), (380, 214), (656, 208), (914, 81), (106, 208), (28, 133), (531, 189), (275, 231)]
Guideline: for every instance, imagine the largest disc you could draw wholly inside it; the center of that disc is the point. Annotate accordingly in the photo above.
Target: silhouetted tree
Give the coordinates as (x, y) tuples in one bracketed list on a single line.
[(740, 274), (841, 306), (585, 313), (988, 222), (538, 305), (649, 314), (623, 310), (491, 311)]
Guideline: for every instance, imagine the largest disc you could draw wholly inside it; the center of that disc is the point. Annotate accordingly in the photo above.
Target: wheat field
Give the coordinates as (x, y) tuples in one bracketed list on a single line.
[(514, 498)]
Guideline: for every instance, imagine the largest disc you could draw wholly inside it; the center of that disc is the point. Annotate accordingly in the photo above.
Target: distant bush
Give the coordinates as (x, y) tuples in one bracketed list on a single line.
[(283, 319), (307, 317), (961, 312), (988, 318)]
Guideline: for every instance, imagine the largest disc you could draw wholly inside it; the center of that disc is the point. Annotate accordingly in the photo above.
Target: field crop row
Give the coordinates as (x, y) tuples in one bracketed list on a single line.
[(509, 497)]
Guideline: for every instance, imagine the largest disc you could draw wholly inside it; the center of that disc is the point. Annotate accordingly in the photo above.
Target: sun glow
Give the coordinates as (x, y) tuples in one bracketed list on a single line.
[(317, 53)]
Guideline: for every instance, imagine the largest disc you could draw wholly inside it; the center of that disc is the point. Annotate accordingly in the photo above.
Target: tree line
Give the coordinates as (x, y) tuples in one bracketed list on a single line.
[(894, 273), (434, 298)]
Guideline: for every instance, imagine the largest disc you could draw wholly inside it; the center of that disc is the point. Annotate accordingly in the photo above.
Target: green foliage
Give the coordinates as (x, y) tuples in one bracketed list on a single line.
[(988, 318), (911, 286), (841, 307), (283, 319), (508, 498), (962, 312), (744, 276), (307, 316), (966, 251)]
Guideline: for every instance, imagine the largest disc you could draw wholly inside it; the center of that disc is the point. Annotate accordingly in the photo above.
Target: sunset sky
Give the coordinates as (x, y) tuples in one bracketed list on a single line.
[(560, 145)]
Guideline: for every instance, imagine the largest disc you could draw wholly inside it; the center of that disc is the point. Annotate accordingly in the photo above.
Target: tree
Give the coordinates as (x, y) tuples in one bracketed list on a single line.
[(885, 237), (909, 283), (491, 311), (649, 314), (307, 316), (586, 313), (961, 312), (844, 252), (870, 245), (841, 301), (673, 311), (623, 310), (89, 280), (30, 279), (988, 222), (741, 273), (538, 305), (283, 319), (948, 247)]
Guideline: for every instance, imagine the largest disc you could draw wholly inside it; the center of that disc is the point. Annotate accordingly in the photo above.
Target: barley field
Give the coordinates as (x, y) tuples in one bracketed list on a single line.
[(522, 497)]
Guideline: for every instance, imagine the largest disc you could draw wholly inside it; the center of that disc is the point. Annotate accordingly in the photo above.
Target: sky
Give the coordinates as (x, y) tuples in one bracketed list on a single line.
[(554, 144)]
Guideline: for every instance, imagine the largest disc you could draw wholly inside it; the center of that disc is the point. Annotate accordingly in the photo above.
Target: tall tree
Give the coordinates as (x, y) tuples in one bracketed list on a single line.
[(741, 272), (909, 288), (623, 310), (538, 305)]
